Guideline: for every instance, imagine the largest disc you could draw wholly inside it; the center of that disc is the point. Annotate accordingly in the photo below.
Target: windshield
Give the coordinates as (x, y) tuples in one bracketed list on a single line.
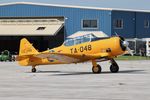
[(69, 42), (79, 40)]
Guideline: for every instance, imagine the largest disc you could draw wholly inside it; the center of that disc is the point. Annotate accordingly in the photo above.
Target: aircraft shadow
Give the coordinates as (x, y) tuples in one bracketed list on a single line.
[(65, 73), (105, 72), (46, 72), (132, 71), (72, 73)]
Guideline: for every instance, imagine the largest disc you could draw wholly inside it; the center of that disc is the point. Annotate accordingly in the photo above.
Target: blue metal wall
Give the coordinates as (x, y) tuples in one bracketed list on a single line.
[(73, 16), (133, 24), (140, 30), (128, 30)]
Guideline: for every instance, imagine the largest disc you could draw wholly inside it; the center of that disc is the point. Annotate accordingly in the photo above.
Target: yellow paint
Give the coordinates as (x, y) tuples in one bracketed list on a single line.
[(29, 56)]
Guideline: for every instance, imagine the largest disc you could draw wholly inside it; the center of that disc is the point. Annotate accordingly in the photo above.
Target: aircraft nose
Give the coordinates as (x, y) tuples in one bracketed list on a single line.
[(125, 45)]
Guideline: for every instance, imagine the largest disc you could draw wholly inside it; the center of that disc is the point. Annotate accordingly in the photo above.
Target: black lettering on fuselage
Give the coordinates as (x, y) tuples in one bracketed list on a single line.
[(71, 50), (81, 49), (75, 50)]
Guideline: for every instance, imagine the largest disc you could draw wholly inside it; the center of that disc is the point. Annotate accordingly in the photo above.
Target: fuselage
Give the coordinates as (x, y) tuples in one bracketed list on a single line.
[(106, 45), (111, 47)]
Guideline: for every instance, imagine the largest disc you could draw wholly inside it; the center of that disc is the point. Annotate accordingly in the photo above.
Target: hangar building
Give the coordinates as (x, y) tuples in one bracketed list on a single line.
[(46, 25)]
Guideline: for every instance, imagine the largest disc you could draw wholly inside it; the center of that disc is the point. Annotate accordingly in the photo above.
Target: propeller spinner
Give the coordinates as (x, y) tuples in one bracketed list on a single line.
[(125, 45)]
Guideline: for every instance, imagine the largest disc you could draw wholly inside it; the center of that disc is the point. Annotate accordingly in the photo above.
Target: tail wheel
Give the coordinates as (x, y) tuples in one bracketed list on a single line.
[(114, 68), (33, 70), (97, 69)]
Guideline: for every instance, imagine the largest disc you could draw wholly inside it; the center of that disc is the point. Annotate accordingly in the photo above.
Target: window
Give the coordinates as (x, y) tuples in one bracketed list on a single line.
[(118, 24), (87, 38), (78, 40), (90, 24), (69, 42), (146, 23)]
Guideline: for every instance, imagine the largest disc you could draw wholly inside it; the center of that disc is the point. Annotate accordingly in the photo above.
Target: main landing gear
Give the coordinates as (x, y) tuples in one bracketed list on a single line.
[(114, 68), (33, 69), (96, 68)]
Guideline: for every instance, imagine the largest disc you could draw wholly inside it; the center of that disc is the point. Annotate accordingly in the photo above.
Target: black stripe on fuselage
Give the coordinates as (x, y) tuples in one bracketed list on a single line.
[(100, 39)]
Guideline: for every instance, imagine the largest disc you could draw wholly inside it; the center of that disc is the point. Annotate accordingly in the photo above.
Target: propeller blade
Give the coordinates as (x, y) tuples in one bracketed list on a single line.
[(130, 51), (116, 34)]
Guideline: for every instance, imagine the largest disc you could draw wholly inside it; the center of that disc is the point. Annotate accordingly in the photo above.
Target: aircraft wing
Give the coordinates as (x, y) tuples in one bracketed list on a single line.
[(70, 58)]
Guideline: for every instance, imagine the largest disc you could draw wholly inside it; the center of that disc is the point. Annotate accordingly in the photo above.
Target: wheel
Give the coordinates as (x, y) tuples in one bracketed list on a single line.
[(114, 68), (97, 69), (33, 70)]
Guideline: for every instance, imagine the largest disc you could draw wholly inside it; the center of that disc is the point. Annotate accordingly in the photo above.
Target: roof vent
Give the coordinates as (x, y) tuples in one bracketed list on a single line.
[(40, 28)]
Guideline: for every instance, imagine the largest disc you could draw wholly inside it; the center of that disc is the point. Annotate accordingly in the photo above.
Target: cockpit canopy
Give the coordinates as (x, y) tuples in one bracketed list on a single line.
[(81, 39)]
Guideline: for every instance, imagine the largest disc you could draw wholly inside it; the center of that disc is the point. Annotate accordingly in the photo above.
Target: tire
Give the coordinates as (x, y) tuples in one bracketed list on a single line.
[(33, 70), (114, 68), (96, 69)]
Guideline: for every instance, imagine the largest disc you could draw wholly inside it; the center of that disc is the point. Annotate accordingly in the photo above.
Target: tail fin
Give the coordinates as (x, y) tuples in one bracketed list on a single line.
[(26, 52), (26, 48)]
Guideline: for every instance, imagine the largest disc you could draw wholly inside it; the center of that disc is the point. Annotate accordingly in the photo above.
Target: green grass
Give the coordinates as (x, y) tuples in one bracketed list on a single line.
[(132, 58)]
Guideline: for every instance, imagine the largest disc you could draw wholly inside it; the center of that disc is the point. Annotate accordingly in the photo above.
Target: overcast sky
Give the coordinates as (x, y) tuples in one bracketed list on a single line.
[(125, 4)]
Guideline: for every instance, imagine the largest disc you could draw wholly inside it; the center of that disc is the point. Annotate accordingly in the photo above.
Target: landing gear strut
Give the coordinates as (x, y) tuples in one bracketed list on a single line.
[(114, 68), (33, 69), (96, 68)]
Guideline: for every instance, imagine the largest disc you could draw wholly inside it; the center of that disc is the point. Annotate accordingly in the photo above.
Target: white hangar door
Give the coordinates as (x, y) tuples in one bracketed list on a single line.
[(43, 33), (30, 27)]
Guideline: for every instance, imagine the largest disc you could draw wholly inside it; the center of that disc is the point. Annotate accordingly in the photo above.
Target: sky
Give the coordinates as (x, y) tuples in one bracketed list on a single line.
[(123, 4)]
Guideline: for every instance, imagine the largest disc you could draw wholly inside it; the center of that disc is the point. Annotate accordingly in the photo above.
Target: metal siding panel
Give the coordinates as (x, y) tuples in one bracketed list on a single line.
[(140, 30), (128, 30), (73, 16)]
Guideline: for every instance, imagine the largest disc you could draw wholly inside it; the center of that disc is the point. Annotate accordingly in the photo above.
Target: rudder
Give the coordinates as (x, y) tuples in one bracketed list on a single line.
[(26, 48), (26, 52)]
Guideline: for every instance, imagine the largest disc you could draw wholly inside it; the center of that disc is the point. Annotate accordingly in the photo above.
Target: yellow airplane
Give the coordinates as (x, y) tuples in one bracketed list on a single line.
[(75, 50)]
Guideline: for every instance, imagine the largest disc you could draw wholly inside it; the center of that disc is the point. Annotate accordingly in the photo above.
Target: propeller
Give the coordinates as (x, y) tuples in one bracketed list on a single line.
[(130, 51), (125, 45)]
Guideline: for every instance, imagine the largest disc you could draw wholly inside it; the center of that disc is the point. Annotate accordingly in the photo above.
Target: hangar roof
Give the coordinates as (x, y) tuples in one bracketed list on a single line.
[(30, 27), (125, 5)]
